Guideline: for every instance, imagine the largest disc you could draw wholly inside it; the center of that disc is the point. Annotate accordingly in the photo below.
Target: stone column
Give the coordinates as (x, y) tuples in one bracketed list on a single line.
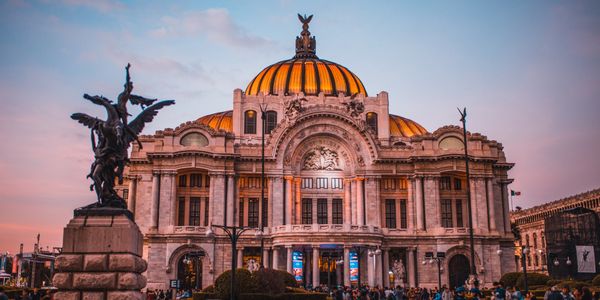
[(504, 192), (289, 200), (240, 257), (100, 258), (431, 195), (265, 263), (474, 200), (411, 270), (371, 261), (419, 203), (298, 201), (132, 193), (360, 214), (315, 266), (346, 266), (353, 202), (270, 213), (289, 258), (155, 199), (410, 205), (211, 199), (277, 201), (378, 269), (347, 202), (491, 204), (386, 267), (230, 200), (276, 258), (173, 200)]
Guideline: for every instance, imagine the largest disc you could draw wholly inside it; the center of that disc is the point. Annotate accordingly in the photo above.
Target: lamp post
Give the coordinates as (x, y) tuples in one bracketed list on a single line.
[(463, 119), (263, 117), (524, 252), (233, 232), (438, 258)]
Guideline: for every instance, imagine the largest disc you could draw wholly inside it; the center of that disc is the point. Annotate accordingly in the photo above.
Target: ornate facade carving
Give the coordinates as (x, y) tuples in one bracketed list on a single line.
[(321, 158)]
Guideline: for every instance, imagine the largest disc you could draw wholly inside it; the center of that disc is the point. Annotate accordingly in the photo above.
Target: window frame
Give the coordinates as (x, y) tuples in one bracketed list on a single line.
[(250, 117)]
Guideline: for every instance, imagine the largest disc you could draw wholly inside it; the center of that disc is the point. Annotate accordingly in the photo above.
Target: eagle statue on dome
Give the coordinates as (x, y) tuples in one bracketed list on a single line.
[(111, 139), (305, 45)]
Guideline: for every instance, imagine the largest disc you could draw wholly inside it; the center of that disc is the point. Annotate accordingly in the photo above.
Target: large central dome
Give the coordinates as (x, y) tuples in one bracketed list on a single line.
[(306, 73)]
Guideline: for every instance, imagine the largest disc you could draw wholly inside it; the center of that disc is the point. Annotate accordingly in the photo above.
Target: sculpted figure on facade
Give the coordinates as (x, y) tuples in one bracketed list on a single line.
[(293, 107), (354, 107), (399, 272), (321, 158)]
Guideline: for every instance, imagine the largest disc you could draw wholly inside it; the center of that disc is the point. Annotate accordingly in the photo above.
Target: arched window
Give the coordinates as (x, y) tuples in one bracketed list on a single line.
[(271, 121), (535, 240), (250, 122), (194, 139), (527, 240), (372, 121), (543, 240), (451, 143)]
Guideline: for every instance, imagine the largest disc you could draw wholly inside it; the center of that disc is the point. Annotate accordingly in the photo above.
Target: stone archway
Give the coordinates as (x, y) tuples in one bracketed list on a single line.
[(458, 270), (191, 264)]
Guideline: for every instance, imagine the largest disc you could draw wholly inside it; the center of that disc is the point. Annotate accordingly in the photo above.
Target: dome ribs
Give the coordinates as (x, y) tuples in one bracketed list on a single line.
[(317, 78), (287, 80), (303, 76), (331, 79), (273, 78)]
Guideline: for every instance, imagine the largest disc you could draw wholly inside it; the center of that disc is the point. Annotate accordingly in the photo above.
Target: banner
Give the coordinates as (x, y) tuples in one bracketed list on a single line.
[(586, 261), (297, 265), (353, 267)]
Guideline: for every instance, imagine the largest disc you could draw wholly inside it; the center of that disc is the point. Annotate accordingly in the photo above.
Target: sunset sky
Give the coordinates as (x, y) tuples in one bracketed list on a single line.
[(528, 72)]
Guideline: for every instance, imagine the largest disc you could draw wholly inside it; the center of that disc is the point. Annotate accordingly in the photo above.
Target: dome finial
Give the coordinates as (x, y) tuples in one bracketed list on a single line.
[(305, 45)]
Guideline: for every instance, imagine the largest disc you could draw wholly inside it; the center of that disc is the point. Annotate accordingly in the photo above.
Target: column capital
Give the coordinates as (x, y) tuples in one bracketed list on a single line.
[(289, 246), (156, 172), (315, 247), (169, 172), (215, 174), (359, 179), (297, 180), (288, 177), (133, 177)]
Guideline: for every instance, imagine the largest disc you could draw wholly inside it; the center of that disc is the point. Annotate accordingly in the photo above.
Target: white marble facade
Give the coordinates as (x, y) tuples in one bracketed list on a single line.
[(335, 183)]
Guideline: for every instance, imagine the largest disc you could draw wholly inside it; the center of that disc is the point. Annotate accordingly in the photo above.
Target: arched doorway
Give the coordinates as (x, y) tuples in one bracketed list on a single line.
[(458, 270), (189, 270)]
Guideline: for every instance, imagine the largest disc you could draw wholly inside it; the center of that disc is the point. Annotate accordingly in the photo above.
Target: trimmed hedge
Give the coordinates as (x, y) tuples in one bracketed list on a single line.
[(510, 278), (288, 279), (263, 296), (243, 279), (533, 279)]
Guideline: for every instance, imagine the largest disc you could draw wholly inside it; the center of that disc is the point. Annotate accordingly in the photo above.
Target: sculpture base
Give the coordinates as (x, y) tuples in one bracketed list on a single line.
[(101, 257), (90, 210)]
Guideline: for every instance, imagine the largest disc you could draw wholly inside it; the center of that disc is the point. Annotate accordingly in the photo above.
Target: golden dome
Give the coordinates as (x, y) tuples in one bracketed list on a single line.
[(305, 73), (218, 121), (403, 127), (399, 126)]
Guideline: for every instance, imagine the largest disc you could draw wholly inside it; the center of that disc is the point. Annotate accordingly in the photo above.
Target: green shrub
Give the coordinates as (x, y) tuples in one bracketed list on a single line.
[(572, 284), (596, 281), (288, 279), (553, 282), (533, 279), (203, 296), (244, 282), (269, 281), (510, 279)]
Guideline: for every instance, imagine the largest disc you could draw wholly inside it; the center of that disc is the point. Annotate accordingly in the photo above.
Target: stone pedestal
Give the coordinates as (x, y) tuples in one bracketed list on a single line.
[(101, 257)]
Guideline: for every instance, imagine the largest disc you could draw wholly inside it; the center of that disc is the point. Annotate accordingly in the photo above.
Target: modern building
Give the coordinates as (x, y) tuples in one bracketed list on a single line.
[(353, 193), (531, 223)]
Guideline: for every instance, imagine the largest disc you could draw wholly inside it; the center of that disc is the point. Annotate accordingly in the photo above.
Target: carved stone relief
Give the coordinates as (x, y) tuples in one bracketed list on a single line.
[(321, 158)]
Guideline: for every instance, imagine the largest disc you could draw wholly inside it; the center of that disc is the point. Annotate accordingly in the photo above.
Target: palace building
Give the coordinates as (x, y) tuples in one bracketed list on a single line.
[(352, 193)]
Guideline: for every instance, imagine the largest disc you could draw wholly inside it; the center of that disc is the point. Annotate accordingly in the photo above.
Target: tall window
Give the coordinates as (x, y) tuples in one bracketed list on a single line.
[(459, 213), (445, 184), (206, 181), (389, 183), (543, 240), (306, 211), (181, 212), (126, 194), (206, 211), (457, 184), (182, 181), (446, 213), (241, 221), (403, 222), (535, 241), (265, 212), (307, 183), (194, 211), (271, 121), (337, 183), (372, 121), (390, 213), (196, 180), (527, 240), (253, 212), (250, 122), (336, 211), (322, 211)]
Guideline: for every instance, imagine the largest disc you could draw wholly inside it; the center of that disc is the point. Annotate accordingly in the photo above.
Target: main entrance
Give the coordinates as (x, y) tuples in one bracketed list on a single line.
[(189, 270), (458, 269)]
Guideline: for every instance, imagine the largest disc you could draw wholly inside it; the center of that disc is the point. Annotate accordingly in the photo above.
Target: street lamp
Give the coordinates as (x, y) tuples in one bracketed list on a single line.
[(463, 119), (431, 259), (524, 253), (233, 232)]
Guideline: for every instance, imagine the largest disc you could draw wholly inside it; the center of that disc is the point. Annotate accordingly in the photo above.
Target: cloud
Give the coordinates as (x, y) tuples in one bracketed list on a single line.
[(216, 24), (98, 5)]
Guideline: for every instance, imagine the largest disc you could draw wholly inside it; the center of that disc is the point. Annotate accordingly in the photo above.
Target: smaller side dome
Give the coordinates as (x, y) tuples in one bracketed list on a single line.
[(403, 127), (194, 139), (218, 121)]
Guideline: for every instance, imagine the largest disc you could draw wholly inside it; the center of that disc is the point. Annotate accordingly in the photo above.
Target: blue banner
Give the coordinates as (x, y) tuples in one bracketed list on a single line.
[(297, 265), (353, 259)]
